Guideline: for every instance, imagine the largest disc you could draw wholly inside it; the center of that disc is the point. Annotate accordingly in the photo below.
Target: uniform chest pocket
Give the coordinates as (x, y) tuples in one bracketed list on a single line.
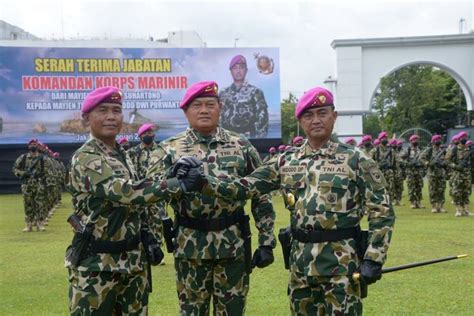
[(293, 181), (234, 168), (333, 197)]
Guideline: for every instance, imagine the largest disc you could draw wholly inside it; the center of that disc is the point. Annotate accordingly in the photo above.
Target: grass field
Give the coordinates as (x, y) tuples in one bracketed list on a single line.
[(34, 281)]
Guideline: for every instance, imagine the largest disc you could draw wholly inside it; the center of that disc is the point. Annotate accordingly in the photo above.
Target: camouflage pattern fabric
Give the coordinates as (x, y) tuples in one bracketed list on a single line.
[(223, 279), (415, 172), (244, 110), (107, 197), (140, 157), (316, 295), (223, 154), (332, 186), (269, 156), (436, 173), (108, 293), (32, 186), (385, 156), (460, 163), (399, 177)]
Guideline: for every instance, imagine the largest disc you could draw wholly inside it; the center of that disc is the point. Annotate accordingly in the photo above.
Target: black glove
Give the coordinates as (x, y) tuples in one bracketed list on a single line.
[(193, 181), (370, 271), (262, 257), (182, 166)]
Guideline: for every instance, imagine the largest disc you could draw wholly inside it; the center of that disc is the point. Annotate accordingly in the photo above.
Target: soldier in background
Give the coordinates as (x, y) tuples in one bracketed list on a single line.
[(271, 154), (110, 253), (212, 238), (298, 141), (281, 148), (415, 172), (398, 174), (459, 159), (433, 159), (61, 176), (141, 161), (366, 145), (386, 159), (350, 141), (29, 167), (471, 150), (453, 144), (332, 183), (244, 109), (123, 141)]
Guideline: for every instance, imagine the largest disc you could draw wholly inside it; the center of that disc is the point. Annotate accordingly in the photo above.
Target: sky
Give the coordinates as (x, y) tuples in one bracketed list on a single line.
[(302, 30)]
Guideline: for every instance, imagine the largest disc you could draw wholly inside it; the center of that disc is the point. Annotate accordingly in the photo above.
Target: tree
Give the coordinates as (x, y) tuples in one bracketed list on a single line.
[(289, 124), (419, 96)]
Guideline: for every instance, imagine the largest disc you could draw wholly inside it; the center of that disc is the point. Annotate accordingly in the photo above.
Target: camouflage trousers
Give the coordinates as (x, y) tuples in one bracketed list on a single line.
[(390, 179), (461, 187), (317, 295), (415, 186), (33, 200), (436, 187), (225, 280), (398, 186), (108, 293)]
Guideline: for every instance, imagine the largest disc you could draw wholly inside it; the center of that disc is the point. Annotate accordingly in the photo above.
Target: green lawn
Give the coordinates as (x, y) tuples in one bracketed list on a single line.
[(34, 281)]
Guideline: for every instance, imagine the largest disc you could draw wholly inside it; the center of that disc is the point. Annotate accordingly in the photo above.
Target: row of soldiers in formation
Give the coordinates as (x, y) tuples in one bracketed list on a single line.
[(453, 163), (42, 175)]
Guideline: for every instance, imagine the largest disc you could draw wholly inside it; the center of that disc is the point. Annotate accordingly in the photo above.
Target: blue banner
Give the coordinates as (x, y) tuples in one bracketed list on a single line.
[(42, 89)]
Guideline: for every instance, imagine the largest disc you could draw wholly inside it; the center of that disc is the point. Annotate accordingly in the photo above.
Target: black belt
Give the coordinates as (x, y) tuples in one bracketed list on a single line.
[(106, 246), (213, 224), (314, 236)]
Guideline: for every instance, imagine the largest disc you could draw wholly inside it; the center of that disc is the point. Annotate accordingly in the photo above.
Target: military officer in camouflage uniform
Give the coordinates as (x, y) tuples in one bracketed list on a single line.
[(415, 172), (332, 184), (386, 158), (459, 160), (433, 159), (244, 109), (106, 260), (30, 169), (212, 241)]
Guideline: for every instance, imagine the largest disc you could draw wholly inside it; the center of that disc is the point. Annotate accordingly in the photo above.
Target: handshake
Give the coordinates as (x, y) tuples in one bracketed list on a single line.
[(189, 174)]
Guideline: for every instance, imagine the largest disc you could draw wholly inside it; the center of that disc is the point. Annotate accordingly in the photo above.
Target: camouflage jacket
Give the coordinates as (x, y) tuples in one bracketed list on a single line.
[(385, 156), (224, 154), (433, 155), (244, 110), (332, 186), (412, 156), (35, 165), (140, 157), (105, 195), (268, 157), (459, 156)]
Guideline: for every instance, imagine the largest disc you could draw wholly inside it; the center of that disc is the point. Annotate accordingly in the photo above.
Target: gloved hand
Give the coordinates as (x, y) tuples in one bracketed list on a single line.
[(370, 271), (193, 181), (182, 166), (262, 257)]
